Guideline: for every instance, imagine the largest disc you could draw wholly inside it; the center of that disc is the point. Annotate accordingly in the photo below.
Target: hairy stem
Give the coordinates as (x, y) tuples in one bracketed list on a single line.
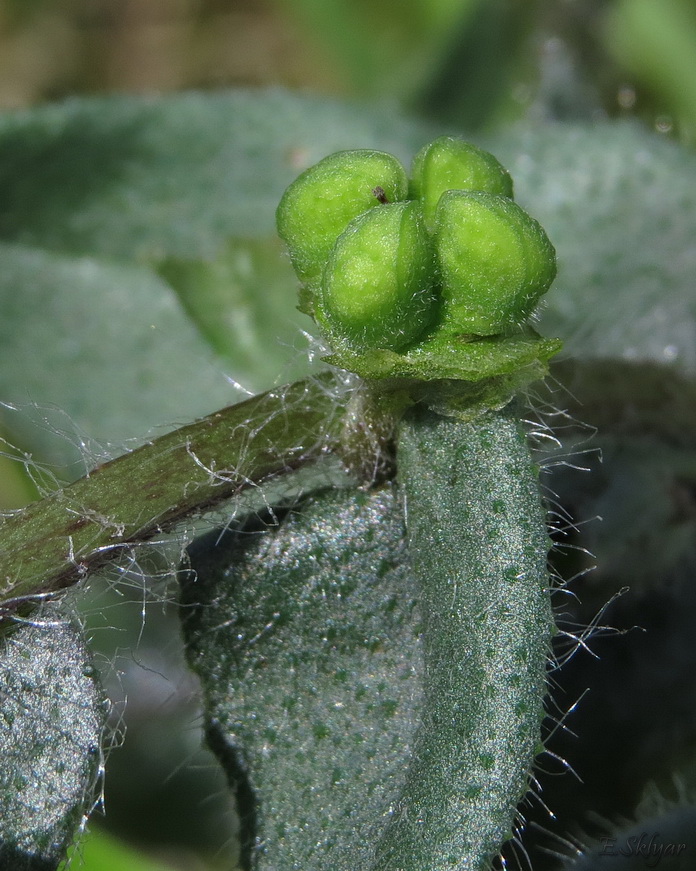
[(478, 544), (52, 543)]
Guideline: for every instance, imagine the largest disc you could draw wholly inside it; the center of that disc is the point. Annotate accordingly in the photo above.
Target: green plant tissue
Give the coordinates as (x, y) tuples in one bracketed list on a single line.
[(618, 203), (187, 186), (133, 178), (51, 726), (306, 637), (136, 179), (95, 350)]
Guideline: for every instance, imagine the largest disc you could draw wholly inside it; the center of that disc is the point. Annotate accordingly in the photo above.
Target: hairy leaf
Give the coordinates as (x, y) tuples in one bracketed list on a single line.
[(378, 705), (189, 183), (477, 543), (51, 723), (306, 636), (618, 203), (133, 178), (92, 351)]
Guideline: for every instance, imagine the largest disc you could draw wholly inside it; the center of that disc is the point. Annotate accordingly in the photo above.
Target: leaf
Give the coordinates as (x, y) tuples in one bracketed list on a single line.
[(239, 301), (99, 851), (477, 543), (656, 44), (618, 203), (377, 704), (134, 179), (306, 637), (104, 345), (51, 725), (187, 184)]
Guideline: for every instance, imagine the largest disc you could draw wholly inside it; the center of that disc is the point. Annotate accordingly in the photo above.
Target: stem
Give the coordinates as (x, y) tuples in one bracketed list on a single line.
[(478, 543), (53, 543)]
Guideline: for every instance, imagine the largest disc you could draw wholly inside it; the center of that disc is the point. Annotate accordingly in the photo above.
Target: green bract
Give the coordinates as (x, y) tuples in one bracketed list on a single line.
[(377, 288), (495, 262), (452, 164), (438, 288), (320, 203)]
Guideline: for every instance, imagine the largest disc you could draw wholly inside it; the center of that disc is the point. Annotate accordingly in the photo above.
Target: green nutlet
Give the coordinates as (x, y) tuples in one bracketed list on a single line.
[(453, 164), (428, 281), (377, 288), (494, 260), (321, 202)]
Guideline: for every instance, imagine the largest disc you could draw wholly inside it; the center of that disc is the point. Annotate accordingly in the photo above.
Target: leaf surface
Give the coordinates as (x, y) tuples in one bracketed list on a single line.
[(188, 185), (618, 203), (51, 725), (96, 195), (307, 639), (94, 352), (133, 178)]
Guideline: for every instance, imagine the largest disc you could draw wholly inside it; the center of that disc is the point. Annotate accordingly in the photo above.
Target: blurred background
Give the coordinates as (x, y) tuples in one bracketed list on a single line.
[(469, 65), (475, 63)]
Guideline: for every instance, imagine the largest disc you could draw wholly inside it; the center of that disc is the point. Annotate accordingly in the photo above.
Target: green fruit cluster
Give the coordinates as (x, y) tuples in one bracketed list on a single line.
[(388, 263)]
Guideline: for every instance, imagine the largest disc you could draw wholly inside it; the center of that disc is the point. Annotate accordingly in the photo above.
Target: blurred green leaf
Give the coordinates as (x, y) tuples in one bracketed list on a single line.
[(391, 48), (138, 179), (487, 62), (657, 43), (53, 715), (95, 350), (619, 204), (93, 195), (98, 851), (240, 300)]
